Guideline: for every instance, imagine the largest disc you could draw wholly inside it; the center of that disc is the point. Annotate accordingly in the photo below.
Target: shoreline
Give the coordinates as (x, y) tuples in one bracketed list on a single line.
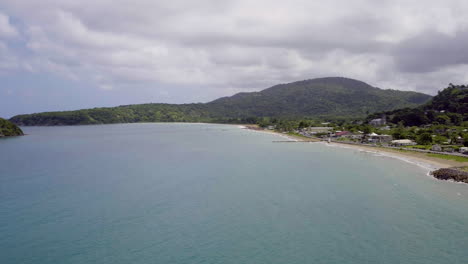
[(436, 163), (417, 158), (410, 157)]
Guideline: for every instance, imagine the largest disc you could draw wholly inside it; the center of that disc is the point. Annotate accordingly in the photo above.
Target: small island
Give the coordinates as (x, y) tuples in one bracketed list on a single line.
[(8, 129)]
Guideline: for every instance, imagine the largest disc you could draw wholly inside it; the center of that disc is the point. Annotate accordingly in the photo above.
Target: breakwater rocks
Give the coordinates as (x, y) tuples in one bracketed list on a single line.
[(458, 174)]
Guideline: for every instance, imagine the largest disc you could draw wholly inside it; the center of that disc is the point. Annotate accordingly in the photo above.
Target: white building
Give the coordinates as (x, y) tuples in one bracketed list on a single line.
[(403, 142), (379, 121), (436, 148)]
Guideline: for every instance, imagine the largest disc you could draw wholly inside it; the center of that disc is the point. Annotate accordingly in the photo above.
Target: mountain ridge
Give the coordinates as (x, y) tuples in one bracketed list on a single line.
[(313, 98), (294, 98)]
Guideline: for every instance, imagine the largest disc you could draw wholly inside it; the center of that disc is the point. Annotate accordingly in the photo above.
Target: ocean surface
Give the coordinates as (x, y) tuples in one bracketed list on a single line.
[(199, 193)]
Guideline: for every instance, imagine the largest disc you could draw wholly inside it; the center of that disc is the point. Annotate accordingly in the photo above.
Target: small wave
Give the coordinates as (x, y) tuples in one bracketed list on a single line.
[(274, 134), (427, 166)]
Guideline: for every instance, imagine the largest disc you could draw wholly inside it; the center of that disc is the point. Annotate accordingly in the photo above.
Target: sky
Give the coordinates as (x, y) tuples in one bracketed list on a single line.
[(68, 54)]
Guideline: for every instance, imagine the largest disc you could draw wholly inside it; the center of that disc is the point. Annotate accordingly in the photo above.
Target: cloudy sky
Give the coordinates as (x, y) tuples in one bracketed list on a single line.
[(69, 54)]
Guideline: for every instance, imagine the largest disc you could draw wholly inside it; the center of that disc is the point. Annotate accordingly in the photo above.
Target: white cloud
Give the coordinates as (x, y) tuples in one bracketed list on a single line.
[(6, 29), (232, 45), (8, 60), (105, 87)]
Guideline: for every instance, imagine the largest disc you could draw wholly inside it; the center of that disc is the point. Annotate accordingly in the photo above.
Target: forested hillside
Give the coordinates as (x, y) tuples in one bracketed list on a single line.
[(448, 107), (323, 98), (8, 129)]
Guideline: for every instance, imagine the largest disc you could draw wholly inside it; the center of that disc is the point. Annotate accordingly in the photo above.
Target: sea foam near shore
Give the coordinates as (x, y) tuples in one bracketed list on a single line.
[(425, 165), (271, 133)]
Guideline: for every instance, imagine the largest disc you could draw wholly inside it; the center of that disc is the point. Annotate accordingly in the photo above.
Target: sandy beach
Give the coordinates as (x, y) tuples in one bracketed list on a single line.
[(419, 158), (422, 159)]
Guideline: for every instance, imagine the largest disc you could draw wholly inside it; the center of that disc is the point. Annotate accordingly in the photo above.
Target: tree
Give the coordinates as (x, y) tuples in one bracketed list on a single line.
[(304, 123), (398, 133), (456, 119), (443, 119), (424, 139), (440, 139), (367, 129)]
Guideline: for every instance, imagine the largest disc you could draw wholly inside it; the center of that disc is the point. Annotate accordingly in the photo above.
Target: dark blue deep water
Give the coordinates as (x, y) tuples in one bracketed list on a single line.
[(197, 193)]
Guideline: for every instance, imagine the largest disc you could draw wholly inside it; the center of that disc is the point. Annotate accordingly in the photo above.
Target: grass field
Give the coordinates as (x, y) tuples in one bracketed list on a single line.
[(426, 147), (448, 157)]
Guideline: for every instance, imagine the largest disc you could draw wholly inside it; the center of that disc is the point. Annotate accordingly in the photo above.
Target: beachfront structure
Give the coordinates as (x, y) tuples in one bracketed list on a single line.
[(315, 130), (403, 142), (375, 138), (379, 121), (449, 149), (342, 133), (348, 135), (356, 136), (436, 148)]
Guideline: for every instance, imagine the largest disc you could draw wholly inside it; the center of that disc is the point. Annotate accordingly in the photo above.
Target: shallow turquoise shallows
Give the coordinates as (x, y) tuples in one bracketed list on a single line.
[(197, 193)]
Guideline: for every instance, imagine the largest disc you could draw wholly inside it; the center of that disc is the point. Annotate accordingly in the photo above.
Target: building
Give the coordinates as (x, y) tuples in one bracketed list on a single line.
[(403, 142), (436, 148), (315, 130), (356, 136), (375, 138), (342, 133), (379, 121), (448, 149)]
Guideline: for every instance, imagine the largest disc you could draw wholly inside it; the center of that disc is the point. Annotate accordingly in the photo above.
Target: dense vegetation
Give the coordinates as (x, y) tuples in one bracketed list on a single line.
[(120, 114), (318, 98), (8, 129), (442, 121), (448, 107), (324, 98)]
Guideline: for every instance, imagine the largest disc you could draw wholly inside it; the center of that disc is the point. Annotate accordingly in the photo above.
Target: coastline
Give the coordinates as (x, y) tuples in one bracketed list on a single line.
[(420, 159)]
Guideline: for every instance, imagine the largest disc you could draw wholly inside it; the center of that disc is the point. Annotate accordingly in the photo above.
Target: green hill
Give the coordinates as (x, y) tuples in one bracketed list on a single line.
[(448, 107), (8, 129), (317, 98), (322, 97)]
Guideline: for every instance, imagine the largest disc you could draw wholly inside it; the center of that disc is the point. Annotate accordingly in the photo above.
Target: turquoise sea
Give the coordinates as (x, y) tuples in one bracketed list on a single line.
[(199, 193)]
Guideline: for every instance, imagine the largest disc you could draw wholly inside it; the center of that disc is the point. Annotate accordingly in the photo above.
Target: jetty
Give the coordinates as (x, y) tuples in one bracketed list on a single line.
[(293, 141)]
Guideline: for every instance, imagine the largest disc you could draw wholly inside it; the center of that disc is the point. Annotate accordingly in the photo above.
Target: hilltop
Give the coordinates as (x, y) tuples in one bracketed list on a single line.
[(316, 98), (322, 97)]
